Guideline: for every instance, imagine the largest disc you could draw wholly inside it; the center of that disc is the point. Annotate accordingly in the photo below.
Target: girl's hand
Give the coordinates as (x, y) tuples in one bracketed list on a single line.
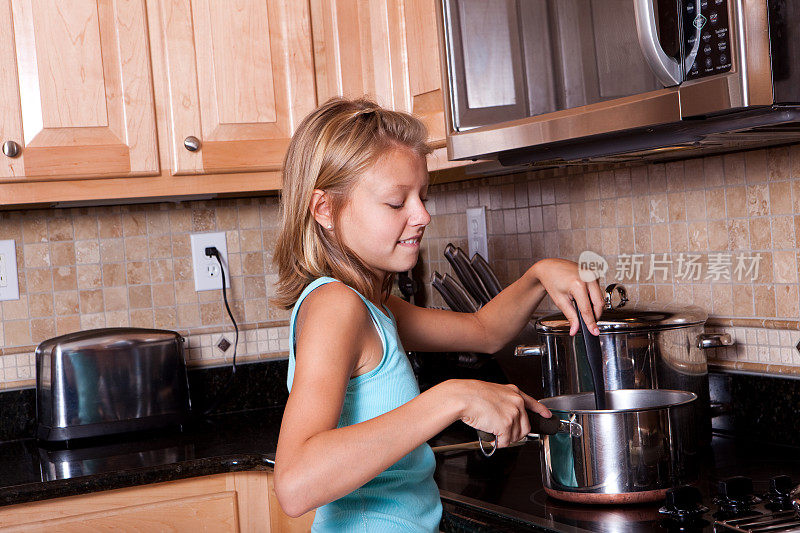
[(494, 408), (562, 282)]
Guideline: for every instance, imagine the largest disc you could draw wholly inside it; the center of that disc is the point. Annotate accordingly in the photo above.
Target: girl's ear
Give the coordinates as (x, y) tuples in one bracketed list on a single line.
[(321, 208)]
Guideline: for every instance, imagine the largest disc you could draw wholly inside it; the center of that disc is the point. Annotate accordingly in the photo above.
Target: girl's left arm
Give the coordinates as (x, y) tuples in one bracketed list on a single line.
[(500, 320)]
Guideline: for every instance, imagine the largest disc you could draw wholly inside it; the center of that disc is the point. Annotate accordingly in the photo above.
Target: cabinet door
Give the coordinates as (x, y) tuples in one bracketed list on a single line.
[(76, 89), (385, 49), (241, 77)]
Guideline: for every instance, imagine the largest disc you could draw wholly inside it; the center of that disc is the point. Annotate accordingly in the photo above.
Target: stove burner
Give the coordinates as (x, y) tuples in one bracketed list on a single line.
[(735, 499), (684, 504), (778, 497)]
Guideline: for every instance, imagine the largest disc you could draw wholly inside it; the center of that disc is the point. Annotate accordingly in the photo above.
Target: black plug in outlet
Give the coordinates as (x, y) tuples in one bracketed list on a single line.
[(211, 251)]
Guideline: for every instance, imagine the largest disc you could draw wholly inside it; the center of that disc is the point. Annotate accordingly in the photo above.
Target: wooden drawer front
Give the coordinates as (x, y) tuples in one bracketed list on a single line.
[(77, 92)]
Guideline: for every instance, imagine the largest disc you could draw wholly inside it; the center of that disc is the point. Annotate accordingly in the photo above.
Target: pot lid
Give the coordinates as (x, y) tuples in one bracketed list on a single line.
[(642, 318)]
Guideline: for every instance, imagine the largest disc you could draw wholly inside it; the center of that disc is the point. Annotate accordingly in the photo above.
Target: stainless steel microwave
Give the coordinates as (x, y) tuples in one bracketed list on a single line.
[(543, 81)]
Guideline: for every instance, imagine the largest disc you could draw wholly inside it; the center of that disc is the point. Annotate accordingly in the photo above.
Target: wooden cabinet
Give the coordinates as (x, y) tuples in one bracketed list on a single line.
[(234, 502), (76, 89), (385, 49), (240, 77)]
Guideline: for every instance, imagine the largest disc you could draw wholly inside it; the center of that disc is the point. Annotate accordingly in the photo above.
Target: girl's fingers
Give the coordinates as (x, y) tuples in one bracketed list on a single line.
[(536, 407), (598, 300), (565, 304), (585, 307)]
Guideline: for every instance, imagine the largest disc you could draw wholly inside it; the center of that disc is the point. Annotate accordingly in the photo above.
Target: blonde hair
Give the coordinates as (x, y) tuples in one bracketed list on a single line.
[(331, 149)]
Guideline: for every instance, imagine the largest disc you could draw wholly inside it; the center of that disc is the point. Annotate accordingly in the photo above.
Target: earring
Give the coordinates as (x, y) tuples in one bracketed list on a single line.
[(330, 226)]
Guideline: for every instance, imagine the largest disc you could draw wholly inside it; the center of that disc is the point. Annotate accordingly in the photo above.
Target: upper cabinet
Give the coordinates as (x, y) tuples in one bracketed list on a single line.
[(385, 49), (240, 78), (76, 90)]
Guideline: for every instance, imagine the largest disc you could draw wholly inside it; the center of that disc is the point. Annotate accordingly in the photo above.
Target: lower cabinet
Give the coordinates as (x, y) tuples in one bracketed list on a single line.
[(233, 502)]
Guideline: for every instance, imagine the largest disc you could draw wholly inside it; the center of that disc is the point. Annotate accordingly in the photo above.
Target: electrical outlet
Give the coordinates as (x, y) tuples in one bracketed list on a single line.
[(9, 285), (207, 276), (476, 232)]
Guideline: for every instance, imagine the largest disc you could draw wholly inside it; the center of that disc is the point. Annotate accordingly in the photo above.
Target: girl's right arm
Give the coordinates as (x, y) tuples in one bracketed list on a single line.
[(316, 462)]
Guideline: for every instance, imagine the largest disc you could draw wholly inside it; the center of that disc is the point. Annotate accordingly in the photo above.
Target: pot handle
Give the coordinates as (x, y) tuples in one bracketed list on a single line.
[(713, 340), (609, 296), (529, 351)]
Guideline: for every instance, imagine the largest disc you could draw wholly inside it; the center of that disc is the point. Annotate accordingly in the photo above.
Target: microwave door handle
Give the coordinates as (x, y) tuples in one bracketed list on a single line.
[(692, 55), (665, 68)]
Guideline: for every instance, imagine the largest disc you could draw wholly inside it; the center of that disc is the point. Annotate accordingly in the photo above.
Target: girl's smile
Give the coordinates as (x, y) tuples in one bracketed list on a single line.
[(385, 218)]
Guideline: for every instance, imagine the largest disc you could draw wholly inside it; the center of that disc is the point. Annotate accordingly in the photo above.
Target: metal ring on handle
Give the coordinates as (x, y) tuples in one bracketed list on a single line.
[(609, 297), (665, 68), (480, 444)]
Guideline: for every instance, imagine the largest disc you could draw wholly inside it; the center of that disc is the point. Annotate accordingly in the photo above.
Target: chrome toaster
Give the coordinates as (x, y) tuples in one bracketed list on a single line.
[(112, 380)]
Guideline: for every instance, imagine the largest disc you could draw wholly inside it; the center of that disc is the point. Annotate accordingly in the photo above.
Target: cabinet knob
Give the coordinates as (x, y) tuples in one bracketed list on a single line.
[(11, 149), (192, 143)]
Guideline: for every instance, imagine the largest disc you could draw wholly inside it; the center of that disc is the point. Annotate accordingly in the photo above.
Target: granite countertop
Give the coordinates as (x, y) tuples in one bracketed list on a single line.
[(217, 444)]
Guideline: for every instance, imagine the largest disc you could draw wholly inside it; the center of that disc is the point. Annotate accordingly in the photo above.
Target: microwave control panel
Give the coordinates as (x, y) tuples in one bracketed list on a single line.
[(707, 44)]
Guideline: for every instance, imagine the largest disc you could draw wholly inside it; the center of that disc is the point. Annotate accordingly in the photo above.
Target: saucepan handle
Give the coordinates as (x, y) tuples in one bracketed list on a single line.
[(713, 340), (539, 426)]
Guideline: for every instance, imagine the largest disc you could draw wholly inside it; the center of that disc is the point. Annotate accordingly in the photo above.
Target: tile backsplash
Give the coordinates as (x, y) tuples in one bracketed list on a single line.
[(720, 232)]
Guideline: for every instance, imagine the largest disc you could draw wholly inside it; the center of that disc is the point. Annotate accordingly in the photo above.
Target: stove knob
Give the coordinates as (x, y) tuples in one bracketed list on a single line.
[(683, 503), (736, 488), (778, 497)]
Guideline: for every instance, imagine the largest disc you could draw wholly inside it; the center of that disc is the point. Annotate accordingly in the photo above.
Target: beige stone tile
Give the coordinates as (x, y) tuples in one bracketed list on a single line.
[(624, 211), (66, 303), (202, 220), (625, 237), (15, 309), (164, 295), (696, 205), (563, 219), (256, 310), (113, 274), (87, 252), (787, 301), (722, 299), (254, 287), (622, 182), (165, 318), (136, 248), (227, 217), (642, 238), (188, 315), (778, 163), (755, 163), (784, 266), (17, 332), (91, 301), (34, 229), (160, 246), (253, 264), (85, 228), (758, 203), (660, 238), (641, 209), (134, 223), (67, 324), (783, 236), (109, 225), (180, 220), (39, 280), (59, 229), (112, 250), (736, 201), (548, 193), (117, 319), (606, 184), (658, 208), (42, 329), (93, 321), (734, 168), (211, 313), (116, 298), (764, 298), (701, 295), (40, 304), (161, 270), (694, 176), (11, 227), (139, 296), (158, 223), (678, 237), (249, 217), (591, 210), (62, 253), (138, 272), (185, 293), (677, 206), (714, 171), (37, 255), (738, 234), (715, 203), (657, 178), (609, 241), (235, 265), (780, 198), (675, 176), (764, 273), (698, 236), (549, 221), (181, 246), (743, 300), (182, 268), (760, 234), (90, 277)]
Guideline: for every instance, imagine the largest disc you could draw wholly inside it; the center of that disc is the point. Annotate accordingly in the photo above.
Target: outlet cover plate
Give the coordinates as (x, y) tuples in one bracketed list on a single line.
[(207, 276), (9, 284)]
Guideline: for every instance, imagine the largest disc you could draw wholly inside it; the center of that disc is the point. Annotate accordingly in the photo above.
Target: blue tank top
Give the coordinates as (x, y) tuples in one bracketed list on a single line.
[(403, 497)]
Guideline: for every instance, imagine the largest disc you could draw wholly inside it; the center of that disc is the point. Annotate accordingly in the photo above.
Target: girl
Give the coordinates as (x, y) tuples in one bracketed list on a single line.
[(353, 437)]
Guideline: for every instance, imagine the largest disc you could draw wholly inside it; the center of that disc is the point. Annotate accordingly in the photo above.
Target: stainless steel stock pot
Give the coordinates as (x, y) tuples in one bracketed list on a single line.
[(643, 348), (643, 444)]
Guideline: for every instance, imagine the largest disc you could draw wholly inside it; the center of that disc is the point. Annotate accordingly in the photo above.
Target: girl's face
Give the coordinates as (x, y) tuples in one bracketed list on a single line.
[(385, 216)]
